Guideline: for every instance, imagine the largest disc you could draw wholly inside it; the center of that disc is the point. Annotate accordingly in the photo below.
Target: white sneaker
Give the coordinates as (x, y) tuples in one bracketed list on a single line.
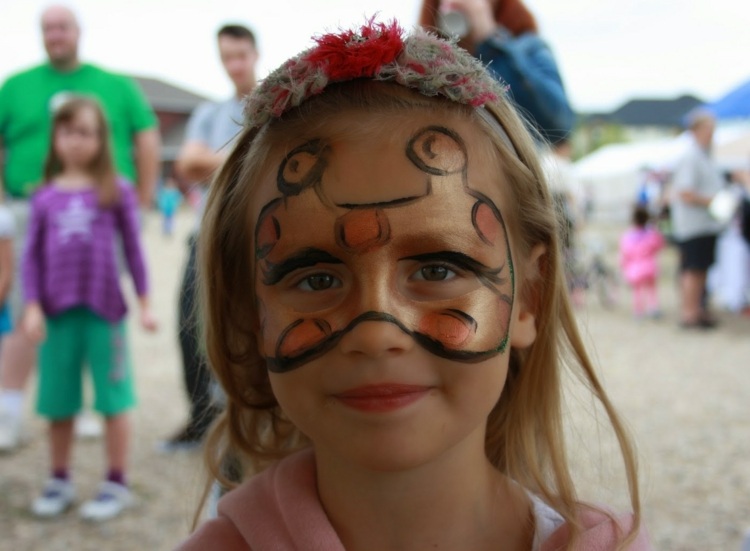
[(10, 431), (56, 497), (88, 426), (111, 500)]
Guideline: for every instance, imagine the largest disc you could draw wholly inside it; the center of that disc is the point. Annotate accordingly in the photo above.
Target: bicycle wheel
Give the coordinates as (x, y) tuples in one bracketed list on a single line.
[(606, 286)]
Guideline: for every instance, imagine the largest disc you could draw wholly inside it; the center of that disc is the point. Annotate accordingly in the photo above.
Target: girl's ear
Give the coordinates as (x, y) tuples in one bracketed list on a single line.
[(523, 321)]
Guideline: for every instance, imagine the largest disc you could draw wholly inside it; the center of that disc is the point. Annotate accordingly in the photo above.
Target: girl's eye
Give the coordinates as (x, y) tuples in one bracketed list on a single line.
[(435, 272), (319, 282)]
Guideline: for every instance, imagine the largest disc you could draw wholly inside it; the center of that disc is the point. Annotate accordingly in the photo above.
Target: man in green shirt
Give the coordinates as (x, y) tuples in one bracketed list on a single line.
[(27, 100)]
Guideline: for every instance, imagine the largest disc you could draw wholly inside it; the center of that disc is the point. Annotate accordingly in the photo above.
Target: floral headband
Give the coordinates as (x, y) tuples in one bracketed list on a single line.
[(378, 51)]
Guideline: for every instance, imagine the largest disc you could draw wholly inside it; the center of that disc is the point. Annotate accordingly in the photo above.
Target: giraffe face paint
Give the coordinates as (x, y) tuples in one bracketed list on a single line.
[(389, 229)]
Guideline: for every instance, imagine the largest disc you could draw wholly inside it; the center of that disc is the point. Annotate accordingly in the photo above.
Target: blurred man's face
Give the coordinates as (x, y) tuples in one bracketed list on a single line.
[(704, 132), (238, 56), (60, 32)]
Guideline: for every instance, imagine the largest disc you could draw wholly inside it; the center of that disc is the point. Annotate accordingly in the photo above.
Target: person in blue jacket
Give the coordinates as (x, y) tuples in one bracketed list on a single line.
[(504, 35)]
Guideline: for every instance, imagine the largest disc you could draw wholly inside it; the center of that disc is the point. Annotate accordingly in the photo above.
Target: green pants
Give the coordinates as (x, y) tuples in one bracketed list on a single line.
[(77, 338)]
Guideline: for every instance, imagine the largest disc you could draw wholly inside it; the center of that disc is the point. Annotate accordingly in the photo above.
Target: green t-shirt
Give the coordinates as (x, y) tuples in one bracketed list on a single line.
[(27, 100)]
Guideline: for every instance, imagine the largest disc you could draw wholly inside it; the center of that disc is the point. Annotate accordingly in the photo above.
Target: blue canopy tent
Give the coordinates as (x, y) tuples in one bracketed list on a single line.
[(733, 105)]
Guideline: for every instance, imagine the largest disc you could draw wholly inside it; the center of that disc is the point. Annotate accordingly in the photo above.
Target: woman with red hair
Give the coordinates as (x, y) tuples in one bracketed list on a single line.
[(503, 34)]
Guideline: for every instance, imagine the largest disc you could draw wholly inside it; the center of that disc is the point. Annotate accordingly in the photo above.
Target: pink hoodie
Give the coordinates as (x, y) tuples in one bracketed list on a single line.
[(279, 510), (638, 251)]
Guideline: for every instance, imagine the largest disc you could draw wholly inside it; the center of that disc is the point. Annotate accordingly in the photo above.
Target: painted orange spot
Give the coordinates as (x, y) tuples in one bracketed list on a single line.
[(267, 235), (363, 230), (486, 223), (303, 336), (450, 330)]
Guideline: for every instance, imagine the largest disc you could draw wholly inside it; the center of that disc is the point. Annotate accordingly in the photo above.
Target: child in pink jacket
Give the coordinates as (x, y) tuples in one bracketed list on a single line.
[(639, 251)]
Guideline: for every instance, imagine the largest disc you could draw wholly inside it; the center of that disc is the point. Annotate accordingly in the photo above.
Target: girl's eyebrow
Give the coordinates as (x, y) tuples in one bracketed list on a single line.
[(275, 272), (463, 261)]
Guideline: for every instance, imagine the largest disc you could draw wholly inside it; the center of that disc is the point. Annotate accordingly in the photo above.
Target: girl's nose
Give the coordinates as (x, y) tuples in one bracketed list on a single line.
[(376, 339)]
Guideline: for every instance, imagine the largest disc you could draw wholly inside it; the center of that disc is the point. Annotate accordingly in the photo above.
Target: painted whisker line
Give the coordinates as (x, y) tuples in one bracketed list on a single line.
[(463, 316), (465, 356), (284, 364)]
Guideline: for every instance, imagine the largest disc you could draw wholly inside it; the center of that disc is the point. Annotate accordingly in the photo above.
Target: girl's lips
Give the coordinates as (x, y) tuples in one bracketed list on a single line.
[(382, 397)]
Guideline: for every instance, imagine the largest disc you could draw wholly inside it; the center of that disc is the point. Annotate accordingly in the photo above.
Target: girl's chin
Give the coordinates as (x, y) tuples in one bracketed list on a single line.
[(394, 453)]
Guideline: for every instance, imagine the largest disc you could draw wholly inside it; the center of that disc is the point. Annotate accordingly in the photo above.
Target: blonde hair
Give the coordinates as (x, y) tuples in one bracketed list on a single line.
[(102, 166), (525, 438)]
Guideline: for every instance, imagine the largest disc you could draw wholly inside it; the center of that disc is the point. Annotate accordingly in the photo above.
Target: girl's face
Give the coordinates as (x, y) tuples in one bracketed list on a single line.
[(385, 285), (77, 141)]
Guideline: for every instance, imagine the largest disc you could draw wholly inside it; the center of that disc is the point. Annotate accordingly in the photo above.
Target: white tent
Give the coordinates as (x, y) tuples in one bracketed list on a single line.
[(611, 175)]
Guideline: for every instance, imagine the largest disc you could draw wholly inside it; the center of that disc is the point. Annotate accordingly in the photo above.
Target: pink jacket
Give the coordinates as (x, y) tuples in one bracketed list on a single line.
[(279, 510), (639, 248)]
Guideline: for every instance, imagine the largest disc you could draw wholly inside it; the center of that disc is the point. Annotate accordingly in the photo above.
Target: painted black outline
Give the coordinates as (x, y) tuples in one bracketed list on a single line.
[(456, 313), (274, 272), (312, 178), (463, 262), (421, 164), (262, 252), (489, 278)]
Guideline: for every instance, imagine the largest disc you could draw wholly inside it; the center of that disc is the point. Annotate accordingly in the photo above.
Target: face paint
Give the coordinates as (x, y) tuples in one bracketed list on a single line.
[(396, 236)]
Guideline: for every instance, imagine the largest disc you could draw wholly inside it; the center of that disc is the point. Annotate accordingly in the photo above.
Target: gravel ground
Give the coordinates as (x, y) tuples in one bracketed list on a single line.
[(684, 394)]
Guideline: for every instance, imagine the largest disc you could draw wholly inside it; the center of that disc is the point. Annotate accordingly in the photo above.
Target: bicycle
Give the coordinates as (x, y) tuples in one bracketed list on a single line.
[(591, 272)]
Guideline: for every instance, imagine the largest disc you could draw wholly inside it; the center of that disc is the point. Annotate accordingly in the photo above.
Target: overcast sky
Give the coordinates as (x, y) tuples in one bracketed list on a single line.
[(609, 50)]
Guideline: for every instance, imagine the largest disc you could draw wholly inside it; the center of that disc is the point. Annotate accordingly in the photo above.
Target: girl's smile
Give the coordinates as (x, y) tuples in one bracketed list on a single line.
[(383, 397)]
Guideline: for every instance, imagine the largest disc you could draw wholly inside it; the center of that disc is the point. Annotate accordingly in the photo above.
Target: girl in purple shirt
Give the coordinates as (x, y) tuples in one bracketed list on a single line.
[(74, 304)]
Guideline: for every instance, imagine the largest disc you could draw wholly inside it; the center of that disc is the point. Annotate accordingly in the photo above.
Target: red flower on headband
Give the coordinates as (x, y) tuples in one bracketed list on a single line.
[(352, 54)]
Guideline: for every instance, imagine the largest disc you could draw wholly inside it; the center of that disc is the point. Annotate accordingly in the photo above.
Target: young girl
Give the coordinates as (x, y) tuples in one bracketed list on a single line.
[(639, 251), (7, 231), (74, 304), (386, 311)]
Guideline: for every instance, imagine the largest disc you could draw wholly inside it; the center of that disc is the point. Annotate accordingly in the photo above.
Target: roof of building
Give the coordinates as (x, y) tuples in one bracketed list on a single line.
[(164, 96), (655, 112)]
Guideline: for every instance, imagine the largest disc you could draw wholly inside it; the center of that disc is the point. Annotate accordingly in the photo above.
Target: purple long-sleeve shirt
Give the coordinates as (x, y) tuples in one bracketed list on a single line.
[(70, 257)]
